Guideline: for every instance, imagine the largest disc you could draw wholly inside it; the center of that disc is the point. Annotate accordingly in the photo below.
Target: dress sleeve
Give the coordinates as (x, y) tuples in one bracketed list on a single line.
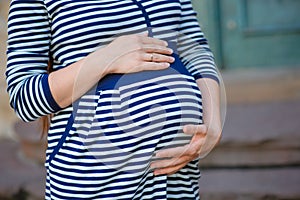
[(193, 47), (27, 57)]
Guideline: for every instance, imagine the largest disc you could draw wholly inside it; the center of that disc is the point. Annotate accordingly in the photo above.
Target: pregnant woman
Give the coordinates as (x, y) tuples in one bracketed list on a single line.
[(132, 92)]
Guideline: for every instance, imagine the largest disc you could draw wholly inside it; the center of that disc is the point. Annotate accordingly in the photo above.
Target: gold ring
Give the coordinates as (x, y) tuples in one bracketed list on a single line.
[(151, 57)]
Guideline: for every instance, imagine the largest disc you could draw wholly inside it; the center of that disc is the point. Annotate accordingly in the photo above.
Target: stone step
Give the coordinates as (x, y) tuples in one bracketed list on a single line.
[(263, 134), (250, 184), (251, 157), (258, 85)]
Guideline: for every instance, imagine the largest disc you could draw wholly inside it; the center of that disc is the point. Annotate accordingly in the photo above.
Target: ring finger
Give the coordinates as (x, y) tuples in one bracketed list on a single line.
[(157, 49), (155, 57)]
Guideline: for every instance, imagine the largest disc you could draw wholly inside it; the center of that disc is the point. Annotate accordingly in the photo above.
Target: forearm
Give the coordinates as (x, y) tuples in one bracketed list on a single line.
[(211, 113), (70, 83), (126, 54)]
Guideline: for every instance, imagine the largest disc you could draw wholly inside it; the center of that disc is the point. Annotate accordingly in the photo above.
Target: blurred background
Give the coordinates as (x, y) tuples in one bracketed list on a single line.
[(256, 45)]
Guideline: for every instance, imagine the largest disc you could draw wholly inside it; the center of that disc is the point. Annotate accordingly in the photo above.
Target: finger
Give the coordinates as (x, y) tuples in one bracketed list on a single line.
[(172, 152), (197, 140), (195, 129), (169, 170), (154, 57), (155, 65), (151, 40), (171, 162), (143, 34), (162, 58), (154, 48)]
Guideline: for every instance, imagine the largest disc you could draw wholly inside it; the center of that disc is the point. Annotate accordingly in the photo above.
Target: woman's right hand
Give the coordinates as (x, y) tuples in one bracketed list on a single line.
[(135, 53), (126, 54)]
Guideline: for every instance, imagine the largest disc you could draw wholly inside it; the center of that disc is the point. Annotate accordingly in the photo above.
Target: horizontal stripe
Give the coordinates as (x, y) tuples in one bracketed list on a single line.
[(118, 125)]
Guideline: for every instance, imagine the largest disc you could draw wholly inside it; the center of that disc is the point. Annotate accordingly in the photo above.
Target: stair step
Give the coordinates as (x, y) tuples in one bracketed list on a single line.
[(250, 184)]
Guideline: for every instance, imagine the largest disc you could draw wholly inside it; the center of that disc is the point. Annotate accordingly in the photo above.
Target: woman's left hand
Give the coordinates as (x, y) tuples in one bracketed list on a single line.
[(177, 158)]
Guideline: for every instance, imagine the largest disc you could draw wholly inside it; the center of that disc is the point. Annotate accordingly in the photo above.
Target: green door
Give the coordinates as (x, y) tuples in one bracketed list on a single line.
[(252, 33)]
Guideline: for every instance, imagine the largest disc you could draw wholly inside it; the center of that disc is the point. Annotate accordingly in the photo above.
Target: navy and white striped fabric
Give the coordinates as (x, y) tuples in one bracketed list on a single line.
[(101, 146)]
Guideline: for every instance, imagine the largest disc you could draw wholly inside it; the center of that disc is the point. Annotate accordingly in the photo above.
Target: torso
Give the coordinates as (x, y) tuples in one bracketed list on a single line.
[(116, 128)]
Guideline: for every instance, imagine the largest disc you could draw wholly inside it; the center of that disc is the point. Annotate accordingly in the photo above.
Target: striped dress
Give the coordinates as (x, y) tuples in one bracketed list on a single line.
[(101, 146)]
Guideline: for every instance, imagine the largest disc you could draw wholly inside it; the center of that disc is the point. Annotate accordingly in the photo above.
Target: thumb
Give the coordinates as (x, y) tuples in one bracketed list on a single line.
[(195, 129)]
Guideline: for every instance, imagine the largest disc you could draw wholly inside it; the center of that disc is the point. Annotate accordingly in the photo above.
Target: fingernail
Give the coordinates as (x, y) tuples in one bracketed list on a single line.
[(166, 65)]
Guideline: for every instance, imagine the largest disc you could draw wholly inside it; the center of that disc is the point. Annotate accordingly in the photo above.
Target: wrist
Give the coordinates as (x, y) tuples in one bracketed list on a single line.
[(100, 60), (214, 132)]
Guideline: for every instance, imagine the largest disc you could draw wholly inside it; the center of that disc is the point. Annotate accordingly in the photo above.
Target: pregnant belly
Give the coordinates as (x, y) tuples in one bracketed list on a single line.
[(127, 118)]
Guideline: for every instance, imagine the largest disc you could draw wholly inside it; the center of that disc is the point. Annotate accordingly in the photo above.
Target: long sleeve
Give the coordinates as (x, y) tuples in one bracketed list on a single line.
[(193, 46), (27, 58)]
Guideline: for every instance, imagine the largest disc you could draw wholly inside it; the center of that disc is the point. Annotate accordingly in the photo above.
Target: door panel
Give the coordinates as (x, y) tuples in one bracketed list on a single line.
[(260, 33), (275, 15), (253, 33)]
